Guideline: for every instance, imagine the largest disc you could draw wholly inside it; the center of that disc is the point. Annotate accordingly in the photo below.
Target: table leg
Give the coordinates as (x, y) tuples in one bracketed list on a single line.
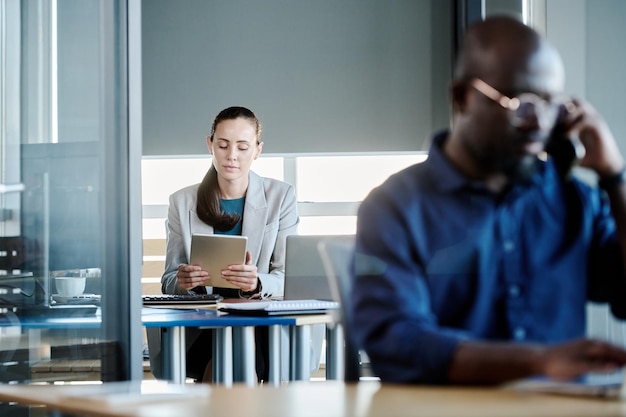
[(300, 353), (275, 343), (36, 350), (334, 352), (223, 356), (244, 355), (173, 354)]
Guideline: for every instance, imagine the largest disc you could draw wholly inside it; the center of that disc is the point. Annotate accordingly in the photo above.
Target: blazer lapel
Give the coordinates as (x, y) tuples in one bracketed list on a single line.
[(196, 225), (255, 215)]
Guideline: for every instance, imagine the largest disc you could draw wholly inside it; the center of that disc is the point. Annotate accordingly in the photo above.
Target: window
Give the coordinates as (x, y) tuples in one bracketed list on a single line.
[(329, 188)]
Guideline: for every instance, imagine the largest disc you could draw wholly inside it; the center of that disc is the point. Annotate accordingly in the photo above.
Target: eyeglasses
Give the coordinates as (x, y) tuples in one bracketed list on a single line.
[(525, 105)]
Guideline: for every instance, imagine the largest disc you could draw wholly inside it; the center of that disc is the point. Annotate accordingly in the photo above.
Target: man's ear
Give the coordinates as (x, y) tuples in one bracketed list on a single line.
[(458, 93)]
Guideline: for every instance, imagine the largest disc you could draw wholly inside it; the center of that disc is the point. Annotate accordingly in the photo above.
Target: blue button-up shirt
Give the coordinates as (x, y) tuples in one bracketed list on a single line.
[(440, 259)]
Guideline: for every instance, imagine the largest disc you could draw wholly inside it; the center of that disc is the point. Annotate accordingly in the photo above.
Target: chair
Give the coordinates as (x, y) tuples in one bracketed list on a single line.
[(337, 257)]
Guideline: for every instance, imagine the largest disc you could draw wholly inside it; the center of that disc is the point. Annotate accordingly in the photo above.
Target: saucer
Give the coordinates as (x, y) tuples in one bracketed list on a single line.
[(77, 299)]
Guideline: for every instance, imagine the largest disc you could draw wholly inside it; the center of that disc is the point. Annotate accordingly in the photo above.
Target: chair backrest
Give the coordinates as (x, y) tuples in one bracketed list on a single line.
[(337, 259)]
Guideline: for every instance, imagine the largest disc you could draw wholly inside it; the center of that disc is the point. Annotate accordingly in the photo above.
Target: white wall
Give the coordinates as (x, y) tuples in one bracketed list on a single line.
[(590, 37), (323, 75)]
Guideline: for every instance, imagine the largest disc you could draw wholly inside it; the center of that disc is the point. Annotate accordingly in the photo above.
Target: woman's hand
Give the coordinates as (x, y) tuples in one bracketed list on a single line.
[(190, 276), (244, 276)]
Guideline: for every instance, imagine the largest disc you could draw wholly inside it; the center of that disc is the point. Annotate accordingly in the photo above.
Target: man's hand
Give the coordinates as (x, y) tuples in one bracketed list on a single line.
[(570, 360), (601, 151), (477, 362)]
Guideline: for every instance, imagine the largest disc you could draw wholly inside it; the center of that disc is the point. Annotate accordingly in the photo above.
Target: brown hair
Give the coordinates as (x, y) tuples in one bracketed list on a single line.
[(209, 194)]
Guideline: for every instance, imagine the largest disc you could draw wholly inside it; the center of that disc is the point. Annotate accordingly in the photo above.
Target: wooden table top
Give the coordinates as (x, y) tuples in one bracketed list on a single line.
[(300, 399)]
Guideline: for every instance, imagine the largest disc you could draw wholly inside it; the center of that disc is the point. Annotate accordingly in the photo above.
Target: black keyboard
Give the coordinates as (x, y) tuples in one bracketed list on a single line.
[(169, 299)]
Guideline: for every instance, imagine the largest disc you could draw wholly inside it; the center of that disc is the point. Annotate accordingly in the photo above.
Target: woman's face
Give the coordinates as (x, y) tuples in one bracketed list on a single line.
[(234, 147)]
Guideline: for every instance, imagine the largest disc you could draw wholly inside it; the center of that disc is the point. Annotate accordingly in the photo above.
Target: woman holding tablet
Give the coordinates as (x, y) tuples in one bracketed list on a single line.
[(233, 200)]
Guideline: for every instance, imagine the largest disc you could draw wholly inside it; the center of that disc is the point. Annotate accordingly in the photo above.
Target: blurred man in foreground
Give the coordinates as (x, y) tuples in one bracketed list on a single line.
[(475, 266)]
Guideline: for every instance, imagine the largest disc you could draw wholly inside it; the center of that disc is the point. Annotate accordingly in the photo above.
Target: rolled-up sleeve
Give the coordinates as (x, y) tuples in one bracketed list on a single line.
[(391, 315)]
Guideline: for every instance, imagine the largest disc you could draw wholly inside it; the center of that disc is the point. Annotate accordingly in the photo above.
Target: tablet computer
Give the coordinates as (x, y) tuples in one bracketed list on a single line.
[(215, 252)]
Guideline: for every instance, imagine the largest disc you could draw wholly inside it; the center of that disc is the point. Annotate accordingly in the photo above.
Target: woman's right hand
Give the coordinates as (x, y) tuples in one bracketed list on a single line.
[(190, 276)]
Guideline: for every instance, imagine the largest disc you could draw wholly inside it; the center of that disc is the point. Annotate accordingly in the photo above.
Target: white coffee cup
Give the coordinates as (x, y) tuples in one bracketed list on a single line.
[(70, 286)]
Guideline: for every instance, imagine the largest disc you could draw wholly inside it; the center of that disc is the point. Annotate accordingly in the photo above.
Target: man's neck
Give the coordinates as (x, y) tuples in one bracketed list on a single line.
[(495, 182)]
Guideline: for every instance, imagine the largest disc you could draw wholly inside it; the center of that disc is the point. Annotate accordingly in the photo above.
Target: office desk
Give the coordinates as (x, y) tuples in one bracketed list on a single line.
[(229, 365), (238, 331), (330, 398)]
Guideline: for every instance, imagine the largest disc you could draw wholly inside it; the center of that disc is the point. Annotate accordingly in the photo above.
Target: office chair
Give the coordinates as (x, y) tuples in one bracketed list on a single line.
[(337, 258)]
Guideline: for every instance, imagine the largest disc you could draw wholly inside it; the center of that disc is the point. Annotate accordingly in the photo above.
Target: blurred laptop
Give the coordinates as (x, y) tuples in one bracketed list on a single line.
[(305, 277), (610, 385)]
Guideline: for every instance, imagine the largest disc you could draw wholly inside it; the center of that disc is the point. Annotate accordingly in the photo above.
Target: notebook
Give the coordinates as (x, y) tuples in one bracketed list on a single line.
[(305, 276), (278, 307)]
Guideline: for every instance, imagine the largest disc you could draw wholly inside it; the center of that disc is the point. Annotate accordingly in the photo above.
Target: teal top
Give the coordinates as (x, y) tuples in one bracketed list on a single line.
[(234, 206)]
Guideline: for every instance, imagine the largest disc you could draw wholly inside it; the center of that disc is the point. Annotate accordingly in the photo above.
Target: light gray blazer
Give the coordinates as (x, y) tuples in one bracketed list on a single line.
[(269, 215)]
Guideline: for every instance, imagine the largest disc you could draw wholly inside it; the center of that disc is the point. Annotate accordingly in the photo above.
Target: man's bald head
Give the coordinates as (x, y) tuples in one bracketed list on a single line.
[(503, 45), (512, 59)]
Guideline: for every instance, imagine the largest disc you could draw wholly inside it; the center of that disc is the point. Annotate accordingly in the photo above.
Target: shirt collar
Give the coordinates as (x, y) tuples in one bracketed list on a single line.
[(448, 178)]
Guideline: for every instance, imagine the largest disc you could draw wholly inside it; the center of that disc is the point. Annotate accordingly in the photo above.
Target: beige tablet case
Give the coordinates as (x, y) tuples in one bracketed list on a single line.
[(215, 252)]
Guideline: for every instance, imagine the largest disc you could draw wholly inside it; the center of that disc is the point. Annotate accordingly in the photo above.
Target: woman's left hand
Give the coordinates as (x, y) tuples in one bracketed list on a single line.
[(244, 276)]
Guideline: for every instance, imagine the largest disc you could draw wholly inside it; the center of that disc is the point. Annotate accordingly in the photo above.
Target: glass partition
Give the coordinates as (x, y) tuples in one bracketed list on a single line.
[(65, 182)]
